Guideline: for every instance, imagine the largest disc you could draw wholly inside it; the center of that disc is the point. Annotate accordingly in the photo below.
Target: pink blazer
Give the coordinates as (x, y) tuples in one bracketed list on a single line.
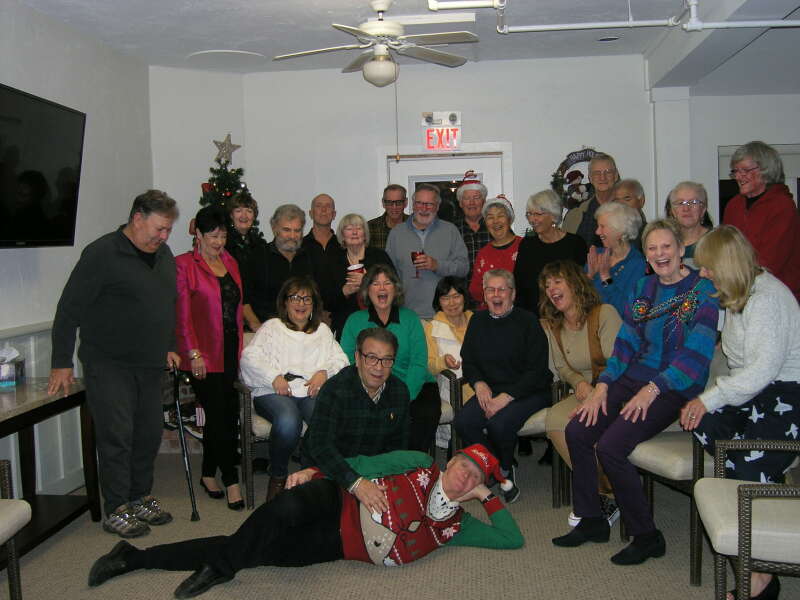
[(199, 309)]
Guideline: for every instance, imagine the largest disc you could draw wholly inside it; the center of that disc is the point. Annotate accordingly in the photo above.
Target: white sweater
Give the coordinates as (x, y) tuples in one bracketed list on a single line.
[(277, 350), (761, 344)]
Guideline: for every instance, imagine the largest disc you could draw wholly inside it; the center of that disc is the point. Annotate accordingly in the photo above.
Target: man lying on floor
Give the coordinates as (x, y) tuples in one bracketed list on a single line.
[(317, 521)]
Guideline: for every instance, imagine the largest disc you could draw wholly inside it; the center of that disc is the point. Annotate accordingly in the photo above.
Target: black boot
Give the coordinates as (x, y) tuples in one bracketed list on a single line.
[(112, 564), (590, 529)]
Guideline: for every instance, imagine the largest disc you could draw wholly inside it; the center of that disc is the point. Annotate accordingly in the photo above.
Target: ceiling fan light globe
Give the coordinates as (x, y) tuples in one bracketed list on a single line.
[(380, 71)]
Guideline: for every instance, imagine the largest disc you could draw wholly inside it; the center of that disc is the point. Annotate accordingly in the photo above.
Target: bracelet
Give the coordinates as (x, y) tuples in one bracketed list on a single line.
[(194, 354), (653, 388), (354, 485)]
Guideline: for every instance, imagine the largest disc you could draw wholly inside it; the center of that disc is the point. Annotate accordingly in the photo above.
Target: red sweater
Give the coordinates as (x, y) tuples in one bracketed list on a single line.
[(772, 225), (489, 258)]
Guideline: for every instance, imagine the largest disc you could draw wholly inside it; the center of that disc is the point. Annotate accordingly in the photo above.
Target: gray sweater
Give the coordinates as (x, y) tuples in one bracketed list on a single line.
[(124, 309), (444, 243), (761, 344)]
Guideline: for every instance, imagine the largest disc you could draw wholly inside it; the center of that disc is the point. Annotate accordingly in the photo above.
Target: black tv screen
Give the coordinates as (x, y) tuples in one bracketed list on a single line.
[(41, 145)]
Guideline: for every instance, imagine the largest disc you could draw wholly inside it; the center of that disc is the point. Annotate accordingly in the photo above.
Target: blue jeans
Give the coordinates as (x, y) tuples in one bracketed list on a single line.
[(286, 414)]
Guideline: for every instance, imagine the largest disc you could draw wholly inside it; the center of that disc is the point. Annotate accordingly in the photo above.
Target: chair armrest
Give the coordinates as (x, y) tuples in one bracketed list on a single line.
[(6, 487), (456, 397), (724, 446)]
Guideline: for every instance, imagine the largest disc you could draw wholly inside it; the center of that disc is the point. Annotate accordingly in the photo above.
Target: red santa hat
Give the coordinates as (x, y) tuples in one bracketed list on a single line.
[(471, 182), (487, 463)]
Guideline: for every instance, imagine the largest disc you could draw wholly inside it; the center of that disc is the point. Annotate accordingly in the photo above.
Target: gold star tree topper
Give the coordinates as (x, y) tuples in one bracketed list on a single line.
[(225, 149)]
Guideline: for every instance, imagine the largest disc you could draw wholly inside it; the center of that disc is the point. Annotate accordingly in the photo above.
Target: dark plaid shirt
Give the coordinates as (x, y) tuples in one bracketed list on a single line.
[(346, 423), (379, 231), (474, 240)]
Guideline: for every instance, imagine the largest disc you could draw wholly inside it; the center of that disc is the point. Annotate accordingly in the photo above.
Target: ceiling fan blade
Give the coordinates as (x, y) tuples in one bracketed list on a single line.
[(359, 33), (430, 55), (446, 37), (359, 62), (319, 51)]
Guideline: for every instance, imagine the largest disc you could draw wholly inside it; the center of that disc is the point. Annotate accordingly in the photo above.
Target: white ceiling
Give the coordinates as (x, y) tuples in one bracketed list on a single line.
[(164, 33)]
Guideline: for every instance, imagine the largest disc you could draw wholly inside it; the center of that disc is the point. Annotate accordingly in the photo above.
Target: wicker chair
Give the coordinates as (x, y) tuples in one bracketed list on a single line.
[(14, 515), (766, 539), (450, 409)]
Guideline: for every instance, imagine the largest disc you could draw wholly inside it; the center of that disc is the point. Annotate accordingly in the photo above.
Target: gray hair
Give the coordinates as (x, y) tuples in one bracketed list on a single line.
[(423, 187), (502, 203), (352, 219), (154, 201), (471, 186), (507, 275), (604, 157), (666, 224), (765, 156), (289, 212), (622, 218), (549, 202), (630, 184), (698, 189)]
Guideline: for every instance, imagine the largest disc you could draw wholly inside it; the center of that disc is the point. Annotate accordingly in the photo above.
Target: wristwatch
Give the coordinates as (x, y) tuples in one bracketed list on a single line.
[(194, 354), (488, 498)]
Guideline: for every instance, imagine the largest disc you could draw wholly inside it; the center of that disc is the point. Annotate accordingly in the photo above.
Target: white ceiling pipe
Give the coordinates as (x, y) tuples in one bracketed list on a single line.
[(575, 26), (462, 4), (695, 24)]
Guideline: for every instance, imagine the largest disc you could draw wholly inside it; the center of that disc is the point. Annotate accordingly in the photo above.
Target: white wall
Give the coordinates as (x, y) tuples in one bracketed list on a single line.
[(735, 120), (48, 59), (188, 111), (307, 132)]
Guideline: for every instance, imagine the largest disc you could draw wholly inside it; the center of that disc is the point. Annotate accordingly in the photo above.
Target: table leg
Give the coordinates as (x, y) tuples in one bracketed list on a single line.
[(27, 461), (89, 451)]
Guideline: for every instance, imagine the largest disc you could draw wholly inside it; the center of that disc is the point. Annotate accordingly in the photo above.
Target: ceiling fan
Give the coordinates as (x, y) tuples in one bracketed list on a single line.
[(380, 38)]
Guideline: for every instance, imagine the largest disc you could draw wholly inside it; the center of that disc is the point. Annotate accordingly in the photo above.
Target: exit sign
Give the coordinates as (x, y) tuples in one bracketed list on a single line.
[(442, 139)]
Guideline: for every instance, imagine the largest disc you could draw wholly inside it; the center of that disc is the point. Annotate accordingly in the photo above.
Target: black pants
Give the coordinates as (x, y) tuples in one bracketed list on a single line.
[(126, 408), (299, 527), (771, 415), (425, 411), (220, 402)]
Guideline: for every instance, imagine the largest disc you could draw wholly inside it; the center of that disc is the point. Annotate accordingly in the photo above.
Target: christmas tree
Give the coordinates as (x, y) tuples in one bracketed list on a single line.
[(224, 181)]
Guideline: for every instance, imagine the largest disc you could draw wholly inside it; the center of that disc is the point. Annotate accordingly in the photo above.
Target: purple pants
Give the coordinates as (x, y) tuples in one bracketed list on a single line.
[(611, 440)]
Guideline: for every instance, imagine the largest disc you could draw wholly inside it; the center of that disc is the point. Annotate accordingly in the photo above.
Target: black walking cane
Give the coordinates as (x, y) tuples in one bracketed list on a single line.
[(182, 436)]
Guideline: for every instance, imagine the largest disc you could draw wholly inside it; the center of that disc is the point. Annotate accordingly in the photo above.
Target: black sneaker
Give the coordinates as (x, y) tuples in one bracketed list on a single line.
[(512, 494), (124, 523), (149, 511)]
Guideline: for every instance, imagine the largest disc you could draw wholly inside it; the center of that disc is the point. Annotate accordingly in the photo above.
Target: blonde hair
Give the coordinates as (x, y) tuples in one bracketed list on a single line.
[(729, 256), (668, 224)]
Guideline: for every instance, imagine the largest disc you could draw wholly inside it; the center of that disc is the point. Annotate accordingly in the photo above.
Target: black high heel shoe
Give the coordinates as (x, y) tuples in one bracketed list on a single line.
[(238, 505), (215, 494)]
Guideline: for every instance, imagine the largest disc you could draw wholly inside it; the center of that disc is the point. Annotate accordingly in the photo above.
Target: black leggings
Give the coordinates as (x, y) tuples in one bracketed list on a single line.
[(299, 527)]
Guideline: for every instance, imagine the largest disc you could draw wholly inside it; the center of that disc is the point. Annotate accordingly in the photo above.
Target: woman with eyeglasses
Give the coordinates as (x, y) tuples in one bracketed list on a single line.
[(209, 334), (500, 252), (765, 212), (546, 243), (687, 203), (382, 294), (350, 266), (285, 365)]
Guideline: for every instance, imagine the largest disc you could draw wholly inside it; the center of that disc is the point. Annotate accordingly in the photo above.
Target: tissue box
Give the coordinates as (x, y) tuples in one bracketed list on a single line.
[(12, 373)]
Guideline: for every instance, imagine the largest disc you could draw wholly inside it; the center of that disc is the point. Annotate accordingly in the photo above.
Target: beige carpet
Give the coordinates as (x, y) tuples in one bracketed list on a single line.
[(58, 568)]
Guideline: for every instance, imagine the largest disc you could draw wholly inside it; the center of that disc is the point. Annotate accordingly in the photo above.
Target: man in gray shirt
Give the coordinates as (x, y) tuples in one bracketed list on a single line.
[(121, 295), (440, 246)]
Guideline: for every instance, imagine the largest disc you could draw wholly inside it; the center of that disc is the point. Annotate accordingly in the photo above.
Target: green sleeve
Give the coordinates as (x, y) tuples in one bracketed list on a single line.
[(351, 329), (417, 373), (389, 463), (502, 534)]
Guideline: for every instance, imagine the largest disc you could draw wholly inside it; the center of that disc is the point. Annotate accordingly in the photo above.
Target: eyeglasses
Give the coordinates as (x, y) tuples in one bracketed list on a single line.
[(742, 171), (372, 360), (425, 205), (496, 290), (604, 173), (394, 202), (295, 299), (692, 202), (451, 298)]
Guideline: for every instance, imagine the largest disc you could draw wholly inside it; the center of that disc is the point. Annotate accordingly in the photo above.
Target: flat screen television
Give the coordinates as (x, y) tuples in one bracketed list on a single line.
[(41, 145)]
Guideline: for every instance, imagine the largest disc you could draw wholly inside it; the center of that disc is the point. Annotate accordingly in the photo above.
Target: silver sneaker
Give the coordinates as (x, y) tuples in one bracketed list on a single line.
[(124, 523), (149, 511)]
